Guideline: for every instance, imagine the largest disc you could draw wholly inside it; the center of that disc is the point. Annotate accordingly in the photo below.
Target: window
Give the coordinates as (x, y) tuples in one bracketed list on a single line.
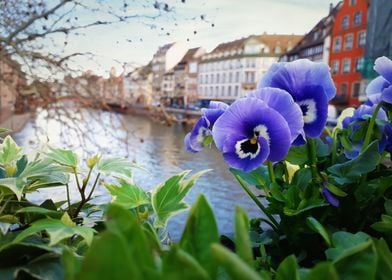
[(236, 90), (359, 64), (345, 22), (230, 77), (224, 78), (356, 89), (353, 2), (343, 89), (229, 91), (335, 66), (346, 65), (217, 78), (357, 18), (237, 76), (222, 91), (362, 39), (216, 91), (337, 44), (348, 42)]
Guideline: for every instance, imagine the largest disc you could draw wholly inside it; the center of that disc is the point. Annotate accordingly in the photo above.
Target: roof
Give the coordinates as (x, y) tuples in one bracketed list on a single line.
[(272, 41), (310, 39)]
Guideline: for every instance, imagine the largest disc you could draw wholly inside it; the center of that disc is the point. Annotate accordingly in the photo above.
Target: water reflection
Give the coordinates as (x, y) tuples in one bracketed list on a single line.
[(157, 147)]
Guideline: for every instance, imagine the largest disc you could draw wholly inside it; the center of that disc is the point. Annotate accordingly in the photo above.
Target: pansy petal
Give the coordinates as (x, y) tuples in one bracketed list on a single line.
[(214, 111), (314, 105), (188, 145), (374, 89), (198, 134), (330, 198), (267, 77), (282, 102), (387, 94), (383, 66), (248, 163), (237, 120)]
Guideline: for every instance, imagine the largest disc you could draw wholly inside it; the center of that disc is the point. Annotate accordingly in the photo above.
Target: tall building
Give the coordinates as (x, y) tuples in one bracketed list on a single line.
[(185, 77), (348, 50), (232, 69), (315, 45), (379, 36), (163, 61)]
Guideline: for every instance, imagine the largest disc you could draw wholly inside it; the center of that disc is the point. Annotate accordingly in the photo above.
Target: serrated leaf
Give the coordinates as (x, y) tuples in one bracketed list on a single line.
[(11, 186), (128, 195), (167, 198), (385, 225), (119, 167), (257, 177), (57, 231), (40, 210), (9, 151), (345, 244), (63, 157)]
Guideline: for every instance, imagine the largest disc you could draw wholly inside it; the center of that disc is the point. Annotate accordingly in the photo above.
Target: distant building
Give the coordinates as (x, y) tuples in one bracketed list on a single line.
[(185, 78), (378, 38), (12, 81), (138, 86), (233, 69), (163, 61), (315, 45), (348, 50)]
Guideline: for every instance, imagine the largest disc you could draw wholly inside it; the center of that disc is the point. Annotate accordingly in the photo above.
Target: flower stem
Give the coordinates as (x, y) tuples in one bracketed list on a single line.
[(370, 127), (312, 156), (271, 172), (68, 198), (274, 224), (334, 146)]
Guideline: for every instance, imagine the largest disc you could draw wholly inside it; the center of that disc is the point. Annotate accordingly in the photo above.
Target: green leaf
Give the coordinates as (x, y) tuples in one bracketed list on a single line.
[(352, 170), (119, 167), (63, 157), (110, 258), (178, 264), (297, 155), (322, 149), (11, 186), (4, 130), (302, 178), (128, 195), (388, 206), (233, 265), (9, 151), (316, 226), (288, 269), (384, 265), (385, 225), (199, 233), (40, 210), (336, 191), (167, 198), (242, 238), (323, 271), (257, 177), (346, 243), (71, 263), (57, 230)]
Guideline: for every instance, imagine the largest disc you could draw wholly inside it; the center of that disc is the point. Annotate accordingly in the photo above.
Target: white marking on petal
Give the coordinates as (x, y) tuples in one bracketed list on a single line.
[(311, 113), (201, 134), (261, 130), (241, 153)]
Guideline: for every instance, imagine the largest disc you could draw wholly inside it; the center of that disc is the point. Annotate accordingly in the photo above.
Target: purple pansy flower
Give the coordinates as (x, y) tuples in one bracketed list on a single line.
[(311, 86), (250, 132), (380, 89), (361, 114), (283, 102), (194, 140)]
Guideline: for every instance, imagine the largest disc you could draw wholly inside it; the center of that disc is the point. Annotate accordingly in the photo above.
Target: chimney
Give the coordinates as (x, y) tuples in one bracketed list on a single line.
[(330, 7)]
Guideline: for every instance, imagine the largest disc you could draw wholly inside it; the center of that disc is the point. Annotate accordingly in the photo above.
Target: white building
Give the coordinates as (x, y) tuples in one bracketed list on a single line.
[(232, 69), (164, 60), (138, 86)]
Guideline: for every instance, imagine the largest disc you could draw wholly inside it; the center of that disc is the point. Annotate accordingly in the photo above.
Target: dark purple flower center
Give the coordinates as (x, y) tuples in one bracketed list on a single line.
[(249, 146), (304, 109)]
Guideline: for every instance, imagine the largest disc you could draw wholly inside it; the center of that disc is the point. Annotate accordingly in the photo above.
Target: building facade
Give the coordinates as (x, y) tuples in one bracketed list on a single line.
[(347, 52), (163, 61), (315, 45), (138, 86), (185, 78), (233, 69)]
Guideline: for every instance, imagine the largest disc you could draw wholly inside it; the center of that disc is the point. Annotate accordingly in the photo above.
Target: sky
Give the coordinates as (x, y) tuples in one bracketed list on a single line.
[(223, 20)]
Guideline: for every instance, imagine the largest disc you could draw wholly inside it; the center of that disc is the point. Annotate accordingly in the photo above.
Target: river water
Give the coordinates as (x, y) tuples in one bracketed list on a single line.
[(155, 146)]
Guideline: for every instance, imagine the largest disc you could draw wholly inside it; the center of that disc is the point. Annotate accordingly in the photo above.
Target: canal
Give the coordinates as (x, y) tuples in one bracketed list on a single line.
[(155, 146)]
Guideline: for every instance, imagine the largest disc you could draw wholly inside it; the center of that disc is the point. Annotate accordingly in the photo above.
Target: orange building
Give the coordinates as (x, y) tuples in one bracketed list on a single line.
[(347, 51)]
